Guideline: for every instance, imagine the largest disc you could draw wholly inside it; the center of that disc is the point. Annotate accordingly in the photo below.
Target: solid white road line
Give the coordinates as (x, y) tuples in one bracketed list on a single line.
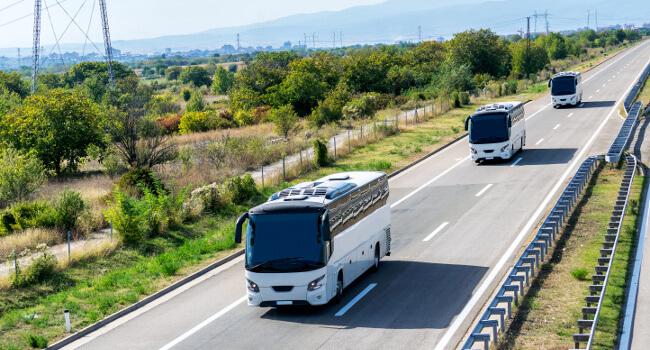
[(428, 183), (516, 162), (480, 193), (570, 115), (540, 141), (597, 91), (556, 127), (538, 112), (201, 325), (435, 232), (590, 97), (496, 270), (355, 300)]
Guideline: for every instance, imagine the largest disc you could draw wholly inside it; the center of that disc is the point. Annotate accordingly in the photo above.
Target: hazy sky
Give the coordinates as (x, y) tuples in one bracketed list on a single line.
[(131, 19)]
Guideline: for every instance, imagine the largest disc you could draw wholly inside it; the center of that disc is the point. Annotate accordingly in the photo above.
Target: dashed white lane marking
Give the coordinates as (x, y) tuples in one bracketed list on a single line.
[(435, 232), (556, 127), (540, 141), (480, 193), (514, 164), (356, 299), (570, 115)]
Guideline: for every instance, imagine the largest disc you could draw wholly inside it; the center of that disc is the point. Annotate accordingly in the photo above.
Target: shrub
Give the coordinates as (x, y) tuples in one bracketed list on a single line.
[(455, 99), (321, 158), (170, 124), (195, 104), (68, 209), (128, 218), (137, 180), (36, 341), (580, 274), (187, 94), (206, 198), (113, 164), (511, 87), (244, 117), (240, 190), (34, 215), (21, 174), (195, 122), (464, 98), (7, 222), (41, 270)]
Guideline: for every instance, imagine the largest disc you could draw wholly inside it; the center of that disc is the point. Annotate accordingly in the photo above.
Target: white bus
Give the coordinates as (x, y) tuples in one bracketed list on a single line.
[(310, 241), (566, 89), (496, 131)]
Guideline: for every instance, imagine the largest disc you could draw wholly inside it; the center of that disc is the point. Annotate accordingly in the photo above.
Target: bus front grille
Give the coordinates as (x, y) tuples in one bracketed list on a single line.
[(282, 288)]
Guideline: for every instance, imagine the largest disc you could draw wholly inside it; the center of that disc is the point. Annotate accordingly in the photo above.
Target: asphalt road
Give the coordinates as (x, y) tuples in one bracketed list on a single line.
[(428, 292)]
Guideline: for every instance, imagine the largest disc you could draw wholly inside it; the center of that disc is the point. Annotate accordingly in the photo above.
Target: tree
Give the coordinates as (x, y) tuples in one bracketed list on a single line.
[(196, 75), (172, 73), (21, 174), (223, 81), (331, 108), (196, 103), (482, 51), (527, 60), (555, 45), (285, 120), (162, 104), (58, 126), (13, 82), (8, 101)]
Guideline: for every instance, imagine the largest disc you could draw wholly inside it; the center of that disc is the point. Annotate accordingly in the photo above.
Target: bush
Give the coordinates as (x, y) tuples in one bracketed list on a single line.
[(37, 341), (464, 98), (206, 198), (240, 190), (187, 94), (379, 165), (455, 99), (581, 274), (129, 219), (34, 214), (244, 118), (20, 175), (196, 103), (7, 222), (68, 209), (321, 158), (41, 270), (137, 180), (511, 87), (170, 124)]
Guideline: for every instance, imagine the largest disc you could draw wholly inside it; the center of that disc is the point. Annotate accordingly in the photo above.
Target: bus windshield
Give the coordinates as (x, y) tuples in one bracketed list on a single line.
[(285, 242), (563, 86), (489, 128)]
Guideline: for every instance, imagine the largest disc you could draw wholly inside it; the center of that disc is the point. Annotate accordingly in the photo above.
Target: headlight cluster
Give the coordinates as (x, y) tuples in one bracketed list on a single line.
[(316, 284), (504, 148), (473, 151), (252, 286)]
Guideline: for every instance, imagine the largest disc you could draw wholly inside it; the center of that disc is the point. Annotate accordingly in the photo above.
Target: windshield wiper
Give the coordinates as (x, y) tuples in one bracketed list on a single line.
[(273, 261)]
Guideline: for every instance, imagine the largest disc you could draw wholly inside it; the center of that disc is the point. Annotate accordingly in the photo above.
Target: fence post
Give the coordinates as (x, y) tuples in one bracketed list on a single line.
[(334, 146), (349, 142), (284, 169), (16, 263), (262, 176), (110, 230), (69, 248), (397, 123), (300, 158), (416, 114), (362, 132), (66, 317), (374, 129)]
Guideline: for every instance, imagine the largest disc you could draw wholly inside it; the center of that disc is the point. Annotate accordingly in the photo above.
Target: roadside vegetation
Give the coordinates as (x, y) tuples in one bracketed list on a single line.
[(547, 318), (165, 163)]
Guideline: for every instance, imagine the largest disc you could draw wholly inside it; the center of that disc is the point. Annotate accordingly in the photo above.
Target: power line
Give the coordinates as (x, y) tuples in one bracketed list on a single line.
[(28, 15), (11, 5)]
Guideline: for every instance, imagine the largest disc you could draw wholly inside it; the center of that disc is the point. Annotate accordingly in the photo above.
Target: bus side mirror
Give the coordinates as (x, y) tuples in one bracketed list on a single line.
[(467, 123), (239, 226), (549, 82), (325, 227)]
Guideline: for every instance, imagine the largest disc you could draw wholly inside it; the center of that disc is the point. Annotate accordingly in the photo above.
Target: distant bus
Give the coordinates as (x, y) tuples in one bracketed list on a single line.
[(496, 131), (566, 89), (310, 241)]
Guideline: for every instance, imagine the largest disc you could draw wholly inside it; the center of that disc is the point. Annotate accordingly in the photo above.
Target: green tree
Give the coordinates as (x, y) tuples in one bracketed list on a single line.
[(482, 51), (528, 60), (58, 126), (172, 73), (21, 174), (13, 82), (196, 103), (8, 101), (223, 81), (162, 104), (285, 120), (196, 75), (331, 108), (555, 44)]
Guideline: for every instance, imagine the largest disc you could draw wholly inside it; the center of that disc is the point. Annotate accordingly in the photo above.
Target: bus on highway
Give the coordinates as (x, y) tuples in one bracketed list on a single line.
[(496, 131), (310, 241), (566, 89)]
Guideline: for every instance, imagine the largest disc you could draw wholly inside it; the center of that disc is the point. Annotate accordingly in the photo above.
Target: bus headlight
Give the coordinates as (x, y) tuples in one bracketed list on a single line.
[(315, 284), (473, 151), (252, 286), (504, 148)]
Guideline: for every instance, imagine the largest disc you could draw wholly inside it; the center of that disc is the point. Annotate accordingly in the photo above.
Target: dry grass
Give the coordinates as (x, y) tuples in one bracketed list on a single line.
[(200, 137), (93, 188), (90, 251), (27, 239)]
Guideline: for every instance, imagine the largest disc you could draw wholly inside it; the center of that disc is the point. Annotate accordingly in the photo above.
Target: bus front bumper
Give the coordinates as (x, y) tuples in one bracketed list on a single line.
[(492, 151), (278, 289), (299, 295), (565, 100)]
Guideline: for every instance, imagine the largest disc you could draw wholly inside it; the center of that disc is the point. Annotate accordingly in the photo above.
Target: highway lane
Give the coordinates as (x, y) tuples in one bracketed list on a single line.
[(428, 292)]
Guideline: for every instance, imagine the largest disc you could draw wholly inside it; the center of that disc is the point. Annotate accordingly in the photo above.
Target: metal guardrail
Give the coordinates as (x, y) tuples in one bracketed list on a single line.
[(631, 97), (602, 271), (620, 143), (529, 263)]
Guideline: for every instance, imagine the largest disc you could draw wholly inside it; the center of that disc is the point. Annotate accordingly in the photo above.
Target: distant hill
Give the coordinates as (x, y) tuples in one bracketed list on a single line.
[(396, 20)]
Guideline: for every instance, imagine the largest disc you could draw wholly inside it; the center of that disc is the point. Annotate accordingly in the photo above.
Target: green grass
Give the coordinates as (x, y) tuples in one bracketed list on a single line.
[(546, 319)]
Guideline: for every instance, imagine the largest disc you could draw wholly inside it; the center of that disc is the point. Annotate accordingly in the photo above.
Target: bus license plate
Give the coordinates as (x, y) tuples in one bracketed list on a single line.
[(284, 302)]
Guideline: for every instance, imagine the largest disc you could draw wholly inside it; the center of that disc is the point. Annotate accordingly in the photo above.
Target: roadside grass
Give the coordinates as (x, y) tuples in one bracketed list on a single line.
[(27, 239), (644, 95), (547, 318)]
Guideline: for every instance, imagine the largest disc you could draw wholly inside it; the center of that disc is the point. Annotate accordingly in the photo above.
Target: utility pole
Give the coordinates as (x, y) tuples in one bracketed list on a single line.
[(419, 34), (36, 48), (313, 40), (20, 61), (107, 42), (527, 44), (535, 15), (305, 35), (238, 43), (596, 19), (588, 19), (546, 20), (341, 38), (333, 39)]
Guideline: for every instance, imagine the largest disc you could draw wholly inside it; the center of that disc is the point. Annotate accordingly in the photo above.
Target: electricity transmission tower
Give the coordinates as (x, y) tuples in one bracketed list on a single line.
[(37, 48)]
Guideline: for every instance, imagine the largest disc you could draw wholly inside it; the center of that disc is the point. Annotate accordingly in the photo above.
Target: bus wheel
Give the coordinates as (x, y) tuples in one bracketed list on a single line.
[(339, 289), (375, 263)]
